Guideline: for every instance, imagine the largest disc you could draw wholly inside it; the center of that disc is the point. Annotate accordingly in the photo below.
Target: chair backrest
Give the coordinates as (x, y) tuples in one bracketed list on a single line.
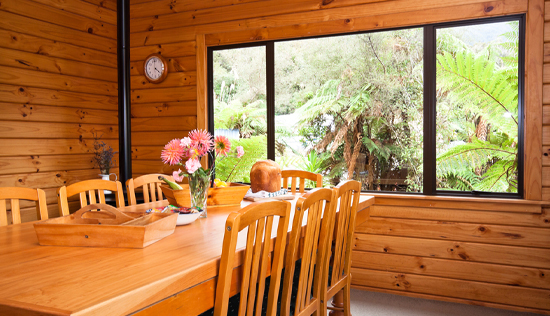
[(258, 218), (151, 188), (347, 196), (320, 207), (90, 187), (15, 194), (302, 175)]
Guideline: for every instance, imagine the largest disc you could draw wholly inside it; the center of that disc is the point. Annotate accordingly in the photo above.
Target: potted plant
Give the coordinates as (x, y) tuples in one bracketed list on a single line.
[(103, 158)]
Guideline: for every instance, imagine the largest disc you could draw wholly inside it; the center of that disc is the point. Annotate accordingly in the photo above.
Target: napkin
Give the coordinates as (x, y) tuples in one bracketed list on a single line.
[(265, 194)]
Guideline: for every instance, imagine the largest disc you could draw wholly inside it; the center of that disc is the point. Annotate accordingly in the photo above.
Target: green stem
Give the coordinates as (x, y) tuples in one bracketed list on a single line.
[(229, 176)]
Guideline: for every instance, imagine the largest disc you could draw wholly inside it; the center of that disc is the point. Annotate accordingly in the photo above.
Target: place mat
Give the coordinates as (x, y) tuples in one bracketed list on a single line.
[(280, 198)]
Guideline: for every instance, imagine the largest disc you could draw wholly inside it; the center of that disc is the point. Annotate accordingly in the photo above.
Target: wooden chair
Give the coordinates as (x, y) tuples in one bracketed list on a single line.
[(90, 187), (151, 188), (15, 194), (313, 252), (347, 196), (303, 175), (258, 218)]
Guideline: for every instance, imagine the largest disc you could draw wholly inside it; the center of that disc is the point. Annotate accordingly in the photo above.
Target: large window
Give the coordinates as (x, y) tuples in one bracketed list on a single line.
[(240, 107), (434, 109)]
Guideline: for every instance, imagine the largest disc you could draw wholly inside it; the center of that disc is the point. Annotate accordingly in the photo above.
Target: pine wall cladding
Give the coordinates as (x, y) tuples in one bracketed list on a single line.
[(58, 87), (470, 251)]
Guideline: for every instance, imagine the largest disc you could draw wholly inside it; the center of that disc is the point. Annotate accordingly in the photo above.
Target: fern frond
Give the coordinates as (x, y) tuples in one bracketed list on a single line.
[(476, 83)]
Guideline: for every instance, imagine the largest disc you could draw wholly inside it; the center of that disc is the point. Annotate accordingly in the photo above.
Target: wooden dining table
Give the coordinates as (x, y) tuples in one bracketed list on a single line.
[(174, 276)]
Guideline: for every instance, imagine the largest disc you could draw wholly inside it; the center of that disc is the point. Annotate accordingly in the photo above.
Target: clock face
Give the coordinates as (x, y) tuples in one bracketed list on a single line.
[(155, 68)]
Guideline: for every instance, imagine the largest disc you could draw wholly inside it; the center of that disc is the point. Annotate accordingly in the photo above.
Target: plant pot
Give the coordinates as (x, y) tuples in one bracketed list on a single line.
[(107, 176)]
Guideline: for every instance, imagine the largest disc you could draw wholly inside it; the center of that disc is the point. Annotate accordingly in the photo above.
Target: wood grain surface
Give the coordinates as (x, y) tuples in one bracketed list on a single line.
[(110, 281), (58, 89)]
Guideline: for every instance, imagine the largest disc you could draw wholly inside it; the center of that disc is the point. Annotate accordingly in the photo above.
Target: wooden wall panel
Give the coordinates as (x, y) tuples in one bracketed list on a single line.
[(461, 253), (485, 252), (58, 89), (546, 106)]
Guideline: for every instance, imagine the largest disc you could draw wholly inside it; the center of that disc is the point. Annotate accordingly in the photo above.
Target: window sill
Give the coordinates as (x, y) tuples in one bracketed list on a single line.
[(453, 202)]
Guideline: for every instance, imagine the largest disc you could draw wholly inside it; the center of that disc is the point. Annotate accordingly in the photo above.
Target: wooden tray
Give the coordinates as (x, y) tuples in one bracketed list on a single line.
[(231, 195), (108, 227)]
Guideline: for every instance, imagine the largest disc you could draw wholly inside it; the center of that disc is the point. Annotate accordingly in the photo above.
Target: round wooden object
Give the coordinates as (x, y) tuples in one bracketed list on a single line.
[(265, 175)]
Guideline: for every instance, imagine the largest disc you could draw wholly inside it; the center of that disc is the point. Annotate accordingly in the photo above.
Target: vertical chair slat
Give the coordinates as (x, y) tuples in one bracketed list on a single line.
[(255, 263), (345, 240), (101, 194), (91, 195), (15, 211), (131, 191), (314, 256), (293, 185), (3, 213), (306, 257), (83, 200), (246, 267), (41, 205), (302, 185), (153, 192), (338, 240), (264, 261), (146, 194), (291, 256), (226, 266), (159, 192)]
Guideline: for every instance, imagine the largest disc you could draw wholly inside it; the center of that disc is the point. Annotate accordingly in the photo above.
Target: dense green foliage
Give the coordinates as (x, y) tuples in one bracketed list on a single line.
[(255, 148), (480, 92), (352, 107)]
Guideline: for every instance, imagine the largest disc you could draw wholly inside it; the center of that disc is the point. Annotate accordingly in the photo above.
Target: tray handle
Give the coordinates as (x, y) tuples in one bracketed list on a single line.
[(119, 216)]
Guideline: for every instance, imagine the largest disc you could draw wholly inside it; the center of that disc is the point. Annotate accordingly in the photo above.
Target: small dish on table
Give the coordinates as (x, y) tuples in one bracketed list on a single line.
[(184, 219), (186, 215)]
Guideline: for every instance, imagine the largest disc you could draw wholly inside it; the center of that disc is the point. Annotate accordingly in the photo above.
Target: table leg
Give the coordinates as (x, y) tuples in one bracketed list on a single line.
[(338, 302)]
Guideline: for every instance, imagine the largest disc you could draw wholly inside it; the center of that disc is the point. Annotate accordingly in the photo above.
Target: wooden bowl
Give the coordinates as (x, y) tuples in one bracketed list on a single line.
[(231, 195)]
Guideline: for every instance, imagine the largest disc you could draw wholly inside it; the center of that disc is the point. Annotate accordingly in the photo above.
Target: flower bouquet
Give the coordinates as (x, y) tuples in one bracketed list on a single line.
[(187, 152)]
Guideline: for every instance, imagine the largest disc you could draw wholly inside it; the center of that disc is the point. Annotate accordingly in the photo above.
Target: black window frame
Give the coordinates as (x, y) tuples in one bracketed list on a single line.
[(429, 103)]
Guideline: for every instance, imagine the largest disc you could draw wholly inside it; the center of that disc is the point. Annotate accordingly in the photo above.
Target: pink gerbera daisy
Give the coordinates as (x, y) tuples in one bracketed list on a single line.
[(172, 152), (202, 140), (222, 145)]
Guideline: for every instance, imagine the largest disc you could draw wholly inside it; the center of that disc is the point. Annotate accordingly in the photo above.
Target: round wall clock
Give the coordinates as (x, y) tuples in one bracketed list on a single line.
[(155, 68)]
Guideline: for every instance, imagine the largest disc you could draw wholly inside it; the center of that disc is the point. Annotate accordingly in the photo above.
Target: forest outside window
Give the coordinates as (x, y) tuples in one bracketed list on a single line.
[(435, 109)]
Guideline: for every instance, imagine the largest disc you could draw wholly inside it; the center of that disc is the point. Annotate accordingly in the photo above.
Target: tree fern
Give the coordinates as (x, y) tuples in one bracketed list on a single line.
[(478, 85)]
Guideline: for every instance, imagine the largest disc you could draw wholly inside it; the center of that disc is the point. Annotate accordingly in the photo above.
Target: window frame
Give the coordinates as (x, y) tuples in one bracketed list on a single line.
[(429, 186)]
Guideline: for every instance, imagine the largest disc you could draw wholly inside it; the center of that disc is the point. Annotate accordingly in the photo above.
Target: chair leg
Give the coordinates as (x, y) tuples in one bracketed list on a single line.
[(347, 299), (337, 304)]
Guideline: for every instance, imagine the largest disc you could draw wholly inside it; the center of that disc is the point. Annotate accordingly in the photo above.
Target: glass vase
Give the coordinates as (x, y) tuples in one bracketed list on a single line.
[(198, 189)]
